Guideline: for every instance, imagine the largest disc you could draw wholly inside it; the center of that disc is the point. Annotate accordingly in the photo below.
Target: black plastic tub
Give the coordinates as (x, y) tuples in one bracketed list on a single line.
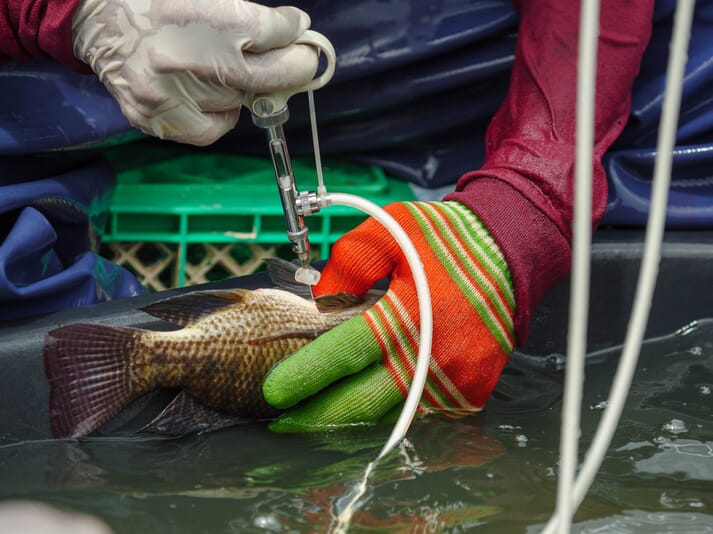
[(684, 294)]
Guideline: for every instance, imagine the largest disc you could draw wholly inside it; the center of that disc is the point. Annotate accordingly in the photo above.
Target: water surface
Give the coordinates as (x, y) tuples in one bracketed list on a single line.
[(491, 472)]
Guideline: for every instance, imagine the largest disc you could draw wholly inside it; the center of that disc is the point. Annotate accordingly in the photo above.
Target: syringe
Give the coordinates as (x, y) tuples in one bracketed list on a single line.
[(269, 111), (297, 231)]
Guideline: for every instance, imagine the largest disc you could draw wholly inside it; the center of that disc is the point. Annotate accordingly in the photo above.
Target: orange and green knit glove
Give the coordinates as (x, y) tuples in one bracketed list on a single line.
[(360, 371)]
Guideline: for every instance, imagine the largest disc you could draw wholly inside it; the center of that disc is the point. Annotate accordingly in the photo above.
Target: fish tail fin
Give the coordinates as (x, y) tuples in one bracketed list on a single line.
[(87, 367)]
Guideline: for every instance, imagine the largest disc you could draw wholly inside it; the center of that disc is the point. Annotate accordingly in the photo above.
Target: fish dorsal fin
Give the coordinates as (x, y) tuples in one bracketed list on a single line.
[(337, 302), (282, 274), (186, 310)]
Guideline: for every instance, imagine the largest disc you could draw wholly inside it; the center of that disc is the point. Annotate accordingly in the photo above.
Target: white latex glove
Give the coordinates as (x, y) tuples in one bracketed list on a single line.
[(22, 517), (180, 68)]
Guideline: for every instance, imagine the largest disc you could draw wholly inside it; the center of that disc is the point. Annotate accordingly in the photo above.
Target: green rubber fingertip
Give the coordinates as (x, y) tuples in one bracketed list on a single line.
[(344, 350), (360, 399)]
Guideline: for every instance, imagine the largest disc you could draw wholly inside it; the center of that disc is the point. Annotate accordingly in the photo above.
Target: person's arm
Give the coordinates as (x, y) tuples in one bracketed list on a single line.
[(490, 250), (179, 69), (38, 29), (524, 191)]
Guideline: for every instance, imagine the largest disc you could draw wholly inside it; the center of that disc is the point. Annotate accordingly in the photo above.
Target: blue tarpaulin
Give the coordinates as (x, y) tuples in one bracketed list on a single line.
[(415, 87)]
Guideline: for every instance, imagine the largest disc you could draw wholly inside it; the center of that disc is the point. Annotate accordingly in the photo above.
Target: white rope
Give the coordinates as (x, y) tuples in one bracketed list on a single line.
[(650, 260), (582, 231)]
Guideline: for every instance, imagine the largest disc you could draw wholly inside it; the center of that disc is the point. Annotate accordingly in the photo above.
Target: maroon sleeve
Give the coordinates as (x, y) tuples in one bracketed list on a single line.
[(40, 29), (524, 191)]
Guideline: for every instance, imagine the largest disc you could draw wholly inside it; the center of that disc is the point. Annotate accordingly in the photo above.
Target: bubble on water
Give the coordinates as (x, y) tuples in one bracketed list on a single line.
[(267, 522), (599, 406), (463, 485), (675, 426), (556, 361), (704, 389), (508, 428), (550, 472), (521, 440), (696, 350), (659, 439)]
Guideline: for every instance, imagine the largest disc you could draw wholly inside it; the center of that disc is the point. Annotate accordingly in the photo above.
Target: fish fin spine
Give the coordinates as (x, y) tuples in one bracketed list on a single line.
[(88, 367)]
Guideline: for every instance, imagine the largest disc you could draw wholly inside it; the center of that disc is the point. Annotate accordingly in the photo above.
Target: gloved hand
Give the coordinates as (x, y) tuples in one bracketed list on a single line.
[(179, 69), (473, 308)]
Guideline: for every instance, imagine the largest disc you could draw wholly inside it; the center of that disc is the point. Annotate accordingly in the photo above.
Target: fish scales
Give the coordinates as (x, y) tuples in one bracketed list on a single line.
[(229, 342), (217, 359)]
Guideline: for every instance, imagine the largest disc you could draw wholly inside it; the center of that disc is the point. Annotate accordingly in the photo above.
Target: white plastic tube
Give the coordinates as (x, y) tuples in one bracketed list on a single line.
[(650, 260), (579, 292), (423, 292), (424, 309)]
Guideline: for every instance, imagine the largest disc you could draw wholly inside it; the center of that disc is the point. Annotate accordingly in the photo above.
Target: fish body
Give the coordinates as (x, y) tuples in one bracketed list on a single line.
[(228, 342)]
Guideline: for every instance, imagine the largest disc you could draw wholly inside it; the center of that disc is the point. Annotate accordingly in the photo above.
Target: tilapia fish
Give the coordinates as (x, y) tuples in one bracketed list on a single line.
[(228, 342)]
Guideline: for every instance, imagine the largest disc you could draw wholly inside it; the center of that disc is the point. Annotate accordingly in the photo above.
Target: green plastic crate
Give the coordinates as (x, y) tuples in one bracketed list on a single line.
[(212, 198)]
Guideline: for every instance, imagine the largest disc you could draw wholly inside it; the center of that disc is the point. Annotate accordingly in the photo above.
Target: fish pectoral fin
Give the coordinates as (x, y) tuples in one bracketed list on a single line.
[(186, 310), (307, 334), (185, 415)]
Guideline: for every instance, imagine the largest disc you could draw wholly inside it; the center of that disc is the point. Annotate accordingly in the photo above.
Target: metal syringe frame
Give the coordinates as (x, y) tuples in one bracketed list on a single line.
[(297, 231)]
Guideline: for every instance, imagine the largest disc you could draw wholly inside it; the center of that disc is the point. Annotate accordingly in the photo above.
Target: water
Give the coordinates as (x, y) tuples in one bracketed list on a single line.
[(491, 472)]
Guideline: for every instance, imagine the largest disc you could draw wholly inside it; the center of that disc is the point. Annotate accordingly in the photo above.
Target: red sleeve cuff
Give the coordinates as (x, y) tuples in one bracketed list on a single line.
[(536, 252), (38, 29)]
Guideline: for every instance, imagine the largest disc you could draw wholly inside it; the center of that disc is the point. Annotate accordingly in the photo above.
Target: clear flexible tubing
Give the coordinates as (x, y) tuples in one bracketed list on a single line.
[(650, 261)]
